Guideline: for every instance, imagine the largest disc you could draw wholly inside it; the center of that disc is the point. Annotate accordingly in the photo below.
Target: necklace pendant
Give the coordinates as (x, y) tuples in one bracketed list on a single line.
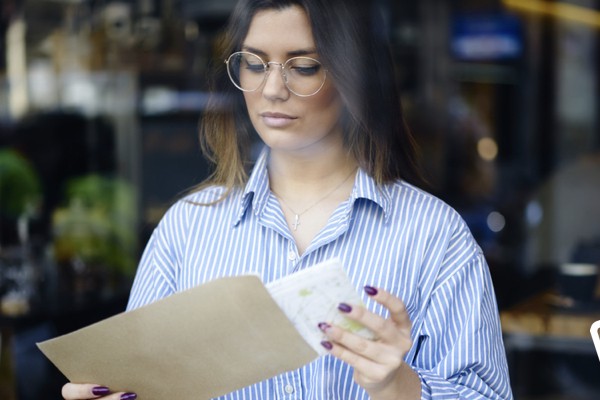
[(296, 222)]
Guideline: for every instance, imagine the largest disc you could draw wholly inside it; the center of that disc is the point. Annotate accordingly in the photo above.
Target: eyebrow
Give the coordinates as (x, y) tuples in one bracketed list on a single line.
[(294, 53)]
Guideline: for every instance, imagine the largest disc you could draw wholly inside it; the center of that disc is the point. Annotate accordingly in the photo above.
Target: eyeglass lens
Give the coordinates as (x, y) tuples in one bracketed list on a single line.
[(303, 76)]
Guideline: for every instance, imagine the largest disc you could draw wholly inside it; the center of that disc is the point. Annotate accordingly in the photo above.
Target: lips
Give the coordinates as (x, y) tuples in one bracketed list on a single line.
[(277, 120)]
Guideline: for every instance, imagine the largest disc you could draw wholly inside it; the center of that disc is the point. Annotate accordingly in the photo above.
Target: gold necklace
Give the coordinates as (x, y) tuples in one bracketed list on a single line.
[(298, 215)]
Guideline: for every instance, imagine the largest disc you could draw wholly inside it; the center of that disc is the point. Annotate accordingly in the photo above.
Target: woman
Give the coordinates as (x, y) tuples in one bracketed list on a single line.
[(314, 80)]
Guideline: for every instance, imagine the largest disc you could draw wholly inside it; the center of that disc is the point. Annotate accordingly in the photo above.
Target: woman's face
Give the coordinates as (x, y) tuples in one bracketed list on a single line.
[(287, 122)]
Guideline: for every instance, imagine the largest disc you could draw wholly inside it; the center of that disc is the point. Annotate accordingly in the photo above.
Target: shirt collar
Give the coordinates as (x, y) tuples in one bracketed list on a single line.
[(256, 192), (365, 187)]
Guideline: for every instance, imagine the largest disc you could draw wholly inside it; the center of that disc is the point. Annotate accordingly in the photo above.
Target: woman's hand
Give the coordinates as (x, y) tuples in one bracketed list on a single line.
[(84, 391), (378, 364)]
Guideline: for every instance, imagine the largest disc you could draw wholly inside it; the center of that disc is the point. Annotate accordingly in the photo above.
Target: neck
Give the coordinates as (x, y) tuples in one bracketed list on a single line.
[(307, 177), (309, 189)]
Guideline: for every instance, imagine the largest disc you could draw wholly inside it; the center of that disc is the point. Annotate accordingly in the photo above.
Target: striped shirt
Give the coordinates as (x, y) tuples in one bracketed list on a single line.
[(394, 236)]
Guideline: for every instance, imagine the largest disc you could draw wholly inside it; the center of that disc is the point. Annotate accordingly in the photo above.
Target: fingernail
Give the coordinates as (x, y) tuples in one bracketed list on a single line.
[(128, 396), (327, 344), (100, 391), (370, 290), (345, 308), (324, 326)]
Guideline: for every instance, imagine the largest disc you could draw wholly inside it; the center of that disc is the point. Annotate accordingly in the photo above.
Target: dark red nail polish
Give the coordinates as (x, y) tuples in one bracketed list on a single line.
[(370, 290), (324, 326), (327, 344), (345, 308), (100, 391), (128, 396)]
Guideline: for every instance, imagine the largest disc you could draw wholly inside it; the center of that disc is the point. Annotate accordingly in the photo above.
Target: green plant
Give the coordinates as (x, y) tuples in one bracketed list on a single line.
[(98, 224), (20, 188)]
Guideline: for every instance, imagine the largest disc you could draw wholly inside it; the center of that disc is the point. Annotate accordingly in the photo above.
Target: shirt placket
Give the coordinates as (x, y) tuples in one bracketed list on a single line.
[(293, 258), (289, 386)]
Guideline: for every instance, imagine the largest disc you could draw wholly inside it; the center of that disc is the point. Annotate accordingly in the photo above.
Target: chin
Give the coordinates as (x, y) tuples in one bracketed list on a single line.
[(280, 139), (284, 145)]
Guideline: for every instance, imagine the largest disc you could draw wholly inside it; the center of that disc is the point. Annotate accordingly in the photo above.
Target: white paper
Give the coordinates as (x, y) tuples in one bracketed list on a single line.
[(312, 296)]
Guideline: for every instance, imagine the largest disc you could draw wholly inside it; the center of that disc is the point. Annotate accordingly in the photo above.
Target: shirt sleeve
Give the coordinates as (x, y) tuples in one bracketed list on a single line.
[(156, 275), (460, 353)]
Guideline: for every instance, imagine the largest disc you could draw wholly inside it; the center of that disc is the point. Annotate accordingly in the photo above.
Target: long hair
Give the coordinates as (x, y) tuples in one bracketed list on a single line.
[(353, 46)]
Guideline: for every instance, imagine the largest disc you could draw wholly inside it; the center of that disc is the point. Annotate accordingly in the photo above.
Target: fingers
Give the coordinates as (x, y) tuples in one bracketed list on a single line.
[(352, 348), (81, 391), (376, 362), (393, 333), (391, 330), (370, 370), (394, 305)]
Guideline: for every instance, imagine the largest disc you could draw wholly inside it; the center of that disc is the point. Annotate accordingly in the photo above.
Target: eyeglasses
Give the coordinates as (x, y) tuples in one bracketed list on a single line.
[(303, 76)]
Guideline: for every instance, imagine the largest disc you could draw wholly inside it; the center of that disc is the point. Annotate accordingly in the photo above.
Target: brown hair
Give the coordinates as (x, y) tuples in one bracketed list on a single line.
[(352, 44)]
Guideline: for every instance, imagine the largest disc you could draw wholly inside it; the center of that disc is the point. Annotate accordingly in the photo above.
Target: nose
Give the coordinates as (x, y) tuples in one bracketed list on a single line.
[(275, 87)]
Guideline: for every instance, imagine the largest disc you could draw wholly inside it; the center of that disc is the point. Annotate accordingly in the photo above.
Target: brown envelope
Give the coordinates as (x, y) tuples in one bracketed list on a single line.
[(197, 344)]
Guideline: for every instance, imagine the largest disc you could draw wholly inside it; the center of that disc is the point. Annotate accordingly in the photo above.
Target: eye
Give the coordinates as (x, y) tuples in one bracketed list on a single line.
[(305, 67), (251, 63), (254, 66), (307, 71)]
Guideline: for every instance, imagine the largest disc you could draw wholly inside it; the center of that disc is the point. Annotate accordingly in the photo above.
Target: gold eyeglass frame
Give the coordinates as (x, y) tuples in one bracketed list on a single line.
[(267, 71)]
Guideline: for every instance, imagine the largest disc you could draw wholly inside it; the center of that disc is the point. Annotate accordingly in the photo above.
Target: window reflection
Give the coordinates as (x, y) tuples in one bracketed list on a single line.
[(99, 107)]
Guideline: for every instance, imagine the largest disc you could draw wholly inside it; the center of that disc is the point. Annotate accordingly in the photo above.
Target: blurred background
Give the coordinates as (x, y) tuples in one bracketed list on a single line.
[(99, 106)]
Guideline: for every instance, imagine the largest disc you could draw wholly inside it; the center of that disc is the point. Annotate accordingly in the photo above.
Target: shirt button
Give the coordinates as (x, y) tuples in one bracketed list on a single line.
[(289, 389), (291, 255)]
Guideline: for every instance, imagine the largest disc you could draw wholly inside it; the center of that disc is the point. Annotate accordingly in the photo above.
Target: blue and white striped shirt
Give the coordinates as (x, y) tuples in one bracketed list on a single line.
[(394, 236)]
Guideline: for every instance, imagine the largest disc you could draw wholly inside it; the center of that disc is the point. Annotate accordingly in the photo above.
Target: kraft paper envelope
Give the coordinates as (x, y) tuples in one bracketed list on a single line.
[(198, 344)]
